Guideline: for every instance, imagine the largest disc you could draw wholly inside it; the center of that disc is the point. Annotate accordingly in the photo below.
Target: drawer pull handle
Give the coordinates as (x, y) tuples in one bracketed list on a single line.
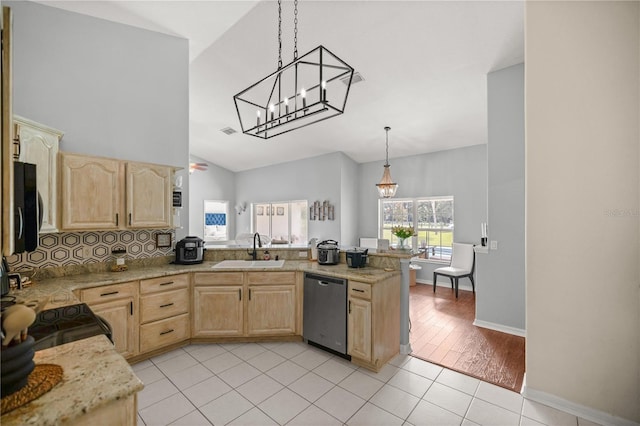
[(167, 283), (358, 290), (166, 332), (168, 304), (111, 293)]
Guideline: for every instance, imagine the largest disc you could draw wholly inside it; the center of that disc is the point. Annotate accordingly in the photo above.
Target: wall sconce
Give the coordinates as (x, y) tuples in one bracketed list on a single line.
[(240, 208)]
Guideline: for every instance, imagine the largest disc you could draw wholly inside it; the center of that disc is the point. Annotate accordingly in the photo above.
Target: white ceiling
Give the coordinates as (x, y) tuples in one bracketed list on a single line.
[(424, 65)]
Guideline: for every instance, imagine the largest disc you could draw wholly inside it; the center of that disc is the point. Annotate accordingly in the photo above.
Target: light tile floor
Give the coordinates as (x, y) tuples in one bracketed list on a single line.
[(297, 384)]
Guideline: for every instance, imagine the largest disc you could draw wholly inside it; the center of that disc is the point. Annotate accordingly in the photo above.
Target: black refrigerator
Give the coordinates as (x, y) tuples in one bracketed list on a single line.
[(25, 207)]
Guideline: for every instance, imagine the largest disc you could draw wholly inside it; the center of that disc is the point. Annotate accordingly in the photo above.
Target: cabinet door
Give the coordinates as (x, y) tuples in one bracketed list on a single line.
[(119, 314), (271, 310), (217, 311), (359, 329), (39, 145), (148, 195), (90, 192)]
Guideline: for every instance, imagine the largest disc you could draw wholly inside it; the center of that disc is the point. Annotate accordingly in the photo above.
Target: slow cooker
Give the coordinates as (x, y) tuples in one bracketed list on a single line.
[(357, 258), (328, 253)]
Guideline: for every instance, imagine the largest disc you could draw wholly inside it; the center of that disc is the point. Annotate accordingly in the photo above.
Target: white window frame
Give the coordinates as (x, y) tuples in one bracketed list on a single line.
[(204, 221), (271, 207), (415, 243)]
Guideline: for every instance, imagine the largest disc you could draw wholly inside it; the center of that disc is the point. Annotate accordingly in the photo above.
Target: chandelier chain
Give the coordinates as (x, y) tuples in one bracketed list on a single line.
[(295, 30), (387, 145), (279, 34)]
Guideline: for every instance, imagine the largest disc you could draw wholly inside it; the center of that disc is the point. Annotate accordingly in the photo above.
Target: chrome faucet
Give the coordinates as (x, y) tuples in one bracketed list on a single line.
[(254, 254)]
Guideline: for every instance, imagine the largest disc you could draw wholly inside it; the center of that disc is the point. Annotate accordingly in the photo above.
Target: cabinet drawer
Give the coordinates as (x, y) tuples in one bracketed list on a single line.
[(163, 305), (271, 277), (170, 282), (224, 278), (164, 332), (360, 290), (108, 292)]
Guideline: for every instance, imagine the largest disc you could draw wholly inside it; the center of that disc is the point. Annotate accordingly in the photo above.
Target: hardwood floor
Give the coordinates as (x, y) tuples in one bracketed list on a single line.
[(442, 332)]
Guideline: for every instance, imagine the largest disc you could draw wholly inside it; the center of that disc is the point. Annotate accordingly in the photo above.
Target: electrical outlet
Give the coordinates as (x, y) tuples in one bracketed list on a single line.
[(302, 254), (494, 245)]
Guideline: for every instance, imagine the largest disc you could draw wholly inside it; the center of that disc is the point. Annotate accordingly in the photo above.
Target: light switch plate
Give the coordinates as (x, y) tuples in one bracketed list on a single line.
[(494, 245)]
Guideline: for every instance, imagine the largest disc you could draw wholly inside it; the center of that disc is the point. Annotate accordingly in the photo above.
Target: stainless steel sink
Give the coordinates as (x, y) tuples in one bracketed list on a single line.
[(252, 264)]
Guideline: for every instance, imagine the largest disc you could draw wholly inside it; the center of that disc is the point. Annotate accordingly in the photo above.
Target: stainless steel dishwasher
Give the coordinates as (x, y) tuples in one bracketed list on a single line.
[(325, 312)]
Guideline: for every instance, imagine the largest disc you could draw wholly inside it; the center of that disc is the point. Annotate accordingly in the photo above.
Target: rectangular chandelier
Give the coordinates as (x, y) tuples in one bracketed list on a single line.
[(310, 89)]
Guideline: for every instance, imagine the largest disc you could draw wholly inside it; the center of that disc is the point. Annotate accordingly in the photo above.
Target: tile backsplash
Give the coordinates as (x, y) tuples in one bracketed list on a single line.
[(79, 248)]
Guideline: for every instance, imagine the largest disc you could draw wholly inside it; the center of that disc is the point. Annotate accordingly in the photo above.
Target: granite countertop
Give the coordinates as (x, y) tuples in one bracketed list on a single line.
[(94, 375), (60, 289)]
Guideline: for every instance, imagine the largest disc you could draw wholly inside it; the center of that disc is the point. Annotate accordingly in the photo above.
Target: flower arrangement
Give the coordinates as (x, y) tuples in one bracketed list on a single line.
[(402, 231)]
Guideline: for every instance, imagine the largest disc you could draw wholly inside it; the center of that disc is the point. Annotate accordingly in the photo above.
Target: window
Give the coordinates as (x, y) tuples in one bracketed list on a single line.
[(284, 222), (431, 219), (216, 220)]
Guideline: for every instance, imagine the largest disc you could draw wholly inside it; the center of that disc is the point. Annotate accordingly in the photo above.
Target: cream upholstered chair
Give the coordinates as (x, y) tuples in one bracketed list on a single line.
[(462, 265)]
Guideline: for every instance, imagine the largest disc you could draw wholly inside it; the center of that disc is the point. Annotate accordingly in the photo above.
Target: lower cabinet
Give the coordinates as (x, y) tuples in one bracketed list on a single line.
[(241, 304), (373, 324), (359, 329), (164, 311), (118, 305), (271, 310), (218, 306), (218, 311)]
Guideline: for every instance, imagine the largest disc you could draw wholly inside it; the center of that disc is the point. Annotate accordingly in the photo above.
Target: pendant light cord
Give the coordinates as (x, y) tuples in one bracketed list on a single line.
[(387, 151)]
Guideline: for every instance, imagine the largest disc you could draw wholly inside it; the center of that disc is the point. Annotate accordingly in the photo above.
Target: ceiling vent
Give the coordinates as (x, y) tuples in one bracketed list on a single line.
[(228, 131), (357, 78)]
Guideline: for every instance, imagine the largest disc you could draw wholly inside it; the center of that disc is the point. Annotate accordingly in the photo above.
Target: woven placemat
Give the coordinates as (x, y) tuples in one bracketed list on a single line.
[(41, 380)]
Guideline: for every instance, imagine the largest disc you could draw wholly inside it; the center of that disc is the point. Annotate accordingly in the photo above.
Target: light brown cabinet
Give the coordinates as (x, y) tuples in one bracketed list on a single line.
[(149, 196), (373, 324), (117, 304), (241, 304), (164, 311), (93, 191), (39, 145), (90, 196), (359, 329), (271, 307), (218, 308)]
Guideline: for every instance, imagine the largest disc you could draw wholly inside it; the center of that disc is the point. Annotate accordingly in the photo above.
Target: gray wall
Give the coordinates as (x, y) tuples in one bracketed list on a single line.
[(459, 172), (215, 183), (312, 179), (115, 90), (501, 273), (348, 206)]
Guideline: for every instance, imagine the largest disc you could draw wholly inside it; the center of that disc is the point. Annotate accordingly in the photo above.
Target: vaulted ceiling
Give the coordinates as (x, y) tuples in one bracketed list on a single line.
[(424, 65)]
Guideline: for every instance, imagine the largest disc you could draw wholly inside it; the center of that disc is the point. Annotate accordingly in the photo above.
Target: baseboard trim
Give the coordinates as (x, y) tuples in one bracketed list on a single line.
[(499, 327), (581, 411), (406, 349), (446, 284)]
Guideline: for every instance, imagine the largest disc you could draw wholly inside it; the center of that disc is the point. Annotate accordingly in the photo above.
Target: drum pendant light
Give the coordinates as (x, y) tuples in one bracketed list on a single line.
[(387, 188), (310, 89)]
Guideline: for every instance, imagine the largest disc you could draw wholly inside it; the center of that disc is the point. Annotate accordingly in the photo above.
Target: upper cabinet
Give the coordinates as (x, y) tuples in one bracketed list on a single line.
[(39, 145), (100, 194), (90, 192), (149, 195)]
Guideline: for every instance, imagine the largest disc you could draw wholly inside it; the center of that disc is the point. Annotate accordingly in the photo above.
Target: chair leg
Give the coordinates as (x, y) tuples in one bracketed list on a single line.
[(451, 279), (473, 285), (434, 281), (456, 287)]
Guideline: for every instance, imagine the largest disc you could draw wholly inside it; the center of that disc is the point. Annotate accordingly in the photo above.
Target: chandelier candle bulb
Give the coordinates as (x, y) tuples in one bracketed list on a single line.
[(271, 109), (257, 118), (303, 95), (286, 106), (324, 91)]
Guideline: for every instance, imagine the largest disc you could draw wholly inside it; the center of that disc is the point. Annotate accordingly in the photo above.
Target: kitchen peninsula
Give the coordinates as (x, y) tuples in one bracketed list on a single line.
[(156, 281)]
